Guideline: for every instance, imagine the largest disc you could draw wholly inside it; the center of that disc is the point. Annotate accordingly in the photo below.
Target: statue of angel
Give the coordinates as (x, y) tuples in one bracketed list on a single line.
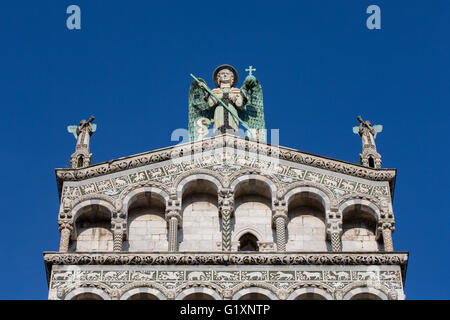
[(367, 132), (226, 107), (83, 132), (82, 156)]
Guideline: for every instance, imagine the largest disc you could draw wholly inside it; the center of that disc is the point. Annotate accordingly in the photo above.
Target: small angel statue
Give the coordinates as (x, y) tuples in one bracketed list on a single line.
[(367, 132), (82, 157)]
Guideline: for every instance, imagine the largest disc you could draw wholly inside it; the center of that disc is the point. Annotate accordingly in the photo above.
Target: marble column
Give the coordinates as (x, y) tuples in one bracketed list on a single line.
[(279, 220), (118, 240), (334, 229), (226, 209), (118, 227), (173, 219), (335, 238), (387, 238), (65, 229)]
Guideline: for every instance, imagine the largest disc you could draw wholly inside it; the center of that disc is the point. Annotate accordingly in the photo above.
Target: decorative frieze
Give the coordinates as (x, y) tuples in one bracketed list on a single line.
[(237, 143), (235, 164), (280, 280), (248, 258)]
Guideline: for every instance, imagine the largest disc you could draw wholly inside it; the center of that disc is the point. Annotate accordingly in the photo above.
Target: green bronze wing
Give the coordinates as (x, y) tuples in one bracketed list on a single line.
[(73, 129), (377, 128), (198, 108), (253, 113)]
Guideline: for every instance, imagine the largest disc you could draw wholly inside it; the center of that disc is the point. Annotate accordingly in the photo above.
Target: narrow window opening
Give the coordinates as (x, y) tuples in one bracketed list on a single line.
[(248, 242), (80, 162), (371, 162)]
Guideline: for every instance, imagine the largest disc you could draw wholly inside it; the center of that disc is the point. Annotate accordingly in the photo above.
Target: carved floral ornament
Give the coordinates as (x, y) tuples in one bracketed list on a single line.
[(187, 258)]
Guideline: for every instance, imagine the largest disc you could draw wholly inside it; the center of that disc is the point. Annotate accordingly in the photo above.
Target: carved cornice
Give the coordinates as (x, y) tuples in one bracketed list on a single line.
[(224, 258), (214, 258), (172, 153)]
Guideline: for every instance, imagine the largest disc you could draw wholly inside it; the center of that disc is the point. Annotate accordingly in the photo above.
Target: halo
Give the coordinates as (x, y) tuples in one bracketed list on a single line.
[(225, 66)]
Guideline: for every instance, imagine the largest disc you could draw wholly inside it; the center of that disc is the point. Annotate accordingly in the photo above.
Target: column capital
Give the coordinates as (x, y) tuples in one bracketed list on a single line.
[(65, 224), (279, 214), (386, 225), (226, 201), (174, 212), (226, 192), (334, 226), (118, 224), (279, 209), (383, 226)]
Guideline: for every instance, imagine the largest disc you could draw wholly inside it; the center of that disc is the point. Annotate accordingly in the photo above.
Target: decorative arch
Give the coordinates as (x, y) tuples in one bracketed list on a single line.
[(208, 291), (197, 198), (321, 286), (76, 292), (143, 209), (183, 180), (99, 215), (254, 289), (301, 291), (143, 284), (87, 197), (369, 290), (132, 193), (86, 203), (238, 179), (325, 196), (245, 285), (320, 215), (239, 233), (374, 210), (360, 219), (128, 294)]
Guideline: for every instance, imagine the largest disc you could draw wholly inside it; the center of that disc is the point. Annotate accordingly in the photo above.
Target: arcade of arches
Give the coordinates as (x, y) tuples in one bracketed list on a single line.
[(199, 223)]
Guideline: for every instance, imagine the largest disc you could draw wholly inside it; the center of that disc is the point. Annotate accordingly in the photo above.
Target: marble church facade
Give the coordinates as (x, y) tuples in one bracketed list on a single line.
[(226, 218)]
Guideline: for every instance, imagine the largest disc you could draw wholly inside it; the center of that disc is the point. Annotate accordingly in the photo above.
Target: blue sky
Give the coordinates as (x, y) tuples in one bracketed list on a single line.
[(129, 65)]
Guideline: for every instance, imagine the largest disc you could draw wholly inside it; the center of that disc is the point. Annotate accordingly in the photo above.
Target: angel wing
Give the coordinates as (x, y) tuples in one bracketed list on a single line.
[(378, 128), (253, 113), (198, 108), (73, 129), (356, 130)]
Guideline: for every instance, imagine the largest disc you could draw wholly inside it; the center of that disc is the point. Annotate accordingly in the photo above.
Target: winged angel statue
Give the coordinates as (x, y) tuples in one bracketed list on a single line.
[(367, 132), (226, 107), (83, 132)]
